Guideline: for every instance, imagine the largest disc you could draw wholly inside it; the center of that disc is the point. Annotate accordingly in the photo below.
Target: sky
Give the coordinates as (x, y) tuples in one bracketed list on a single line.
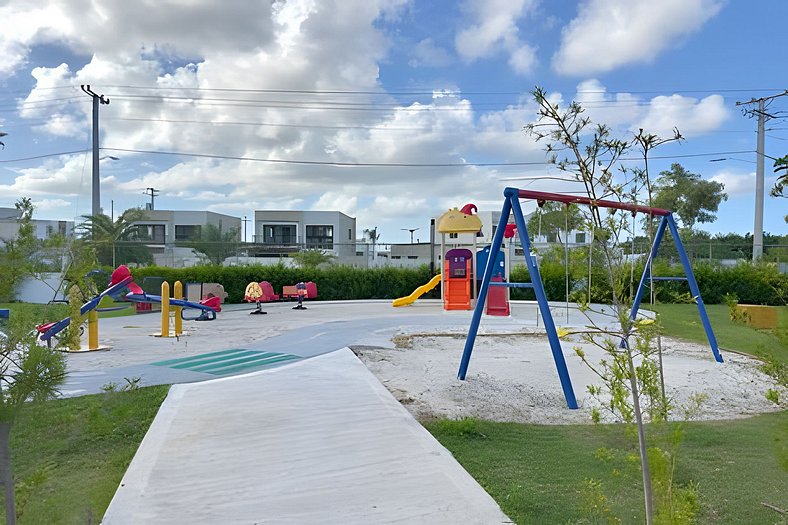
[(391, 111)]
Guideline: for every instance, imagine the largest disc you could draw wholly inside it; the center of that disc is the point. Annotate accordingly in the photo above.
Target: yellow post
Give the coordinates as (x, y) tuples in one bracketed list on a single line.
[(165, 309), (93, 330), (177, 293)]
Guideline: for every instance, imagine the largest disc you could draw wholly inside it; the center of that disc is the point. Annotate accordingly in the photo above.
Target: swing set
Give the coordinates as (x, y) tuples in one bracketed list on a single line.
[(511, 205)]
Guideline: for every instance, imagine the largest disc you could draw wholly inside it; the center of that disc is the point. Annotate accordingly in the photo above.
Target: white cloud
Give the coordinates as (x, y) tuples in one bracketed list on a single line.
[(736, 183), (607, 34), (691, 116), (493, 30), (49, 204), (428, 54), (64, 176)]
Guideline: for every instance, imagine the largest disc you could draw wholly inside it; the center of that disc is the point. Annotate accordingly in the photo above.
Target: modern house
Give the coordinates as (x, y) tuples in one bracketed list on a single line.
[(162, 230), (43, 228), (279, 233)]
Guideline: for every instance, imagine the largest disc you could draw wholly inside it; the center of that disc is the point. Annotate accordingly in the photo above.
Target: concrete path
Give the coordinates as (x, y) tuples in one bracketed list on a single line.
[(319, 441)]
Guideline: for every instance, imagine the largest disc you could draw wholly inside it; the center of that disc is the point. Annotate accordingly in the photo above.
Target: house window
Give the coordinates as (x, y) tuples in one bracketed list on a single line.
[(580, 238), (187, 232), (350, 234), (151, 233), (453, 235), (413, 256), (279, 234), (320, 236)]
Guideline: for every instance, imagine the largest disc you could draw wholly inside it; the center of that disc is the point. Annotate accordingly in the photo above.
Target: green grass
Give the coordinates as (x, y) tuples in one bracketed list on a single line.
[(683, 321), (70, 454), (54, 312), (536, 472)]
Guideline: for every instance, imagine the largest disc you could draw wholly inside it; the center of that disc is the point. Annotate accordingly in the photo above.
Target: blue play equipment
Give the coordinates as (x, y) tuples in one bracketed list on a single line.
[(206, 312), (483, 255), (113, 291), (511, 205)]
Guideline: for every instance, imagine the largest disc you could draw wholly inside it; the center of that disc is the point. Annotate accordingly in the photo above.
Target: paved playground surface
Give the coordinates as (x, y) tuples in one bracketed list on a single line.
[(276, 420)]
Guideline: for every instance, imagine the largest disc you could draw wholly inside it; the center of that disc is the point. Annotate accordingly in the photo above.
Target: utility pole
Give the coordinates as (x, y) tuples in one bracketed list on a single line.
[(97, 99), (757, 234), (245, 221), (153, 192), (411, 230)]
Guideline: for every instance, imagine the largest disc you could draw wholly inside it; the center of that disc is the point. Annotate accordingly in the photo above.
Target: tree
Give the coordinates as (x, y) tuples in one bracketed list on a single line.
[(693, 199), (312, 258), (372, 236), (29, 373), (552, 218), (215, 244), (116, 241), (589, 153), (17, 257), (780, 165)]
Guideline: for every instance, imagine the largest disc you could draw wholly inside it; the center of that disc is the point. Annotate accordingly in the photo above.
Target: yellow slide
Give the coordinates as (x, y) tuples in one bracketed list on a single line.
[(418, 292)]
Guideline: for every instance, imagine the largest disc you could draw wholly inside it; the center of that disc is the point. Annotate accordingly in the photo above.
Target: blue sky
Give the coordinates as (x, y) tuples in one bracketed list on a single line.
[(236, 88)]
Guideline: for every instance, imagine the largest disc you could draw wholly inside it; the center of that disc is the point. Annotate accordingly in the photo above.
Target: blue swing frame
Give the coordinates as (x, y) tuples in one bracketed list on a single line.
[(511, 204)]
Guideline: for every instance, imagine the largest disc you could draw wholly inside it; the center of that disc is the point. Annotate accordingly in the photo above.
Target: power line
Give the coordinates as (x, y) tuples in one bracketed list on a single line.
[(45, 155), (396, 164)]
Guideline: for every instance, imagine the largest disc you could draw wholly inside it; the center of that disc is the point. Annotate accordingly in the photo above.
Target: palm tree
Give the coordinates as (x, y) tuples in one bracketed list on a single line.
[(114, 239), (216, 244)]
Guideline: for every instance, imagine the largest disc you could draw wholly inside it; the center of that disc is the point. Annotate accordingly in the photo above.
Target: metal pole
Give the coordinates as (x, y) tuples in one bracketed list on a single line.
[(97, 99), (757, 234), (96, 208)]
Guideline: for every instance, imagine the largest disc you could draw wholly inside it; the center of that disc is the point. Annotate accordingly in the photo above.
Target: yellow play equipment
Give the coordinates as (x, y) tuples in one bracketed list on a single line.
[(418, 292)]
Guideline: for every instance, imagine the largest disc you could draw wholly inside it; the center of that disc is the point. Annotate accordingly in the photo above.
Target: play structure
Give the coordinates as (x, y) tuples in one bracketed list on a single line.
[(117, 285), (121, 281), (206, 308), (254, 294), (263, 292), (462, 266), (418, 292), (511, 205), (4, 314)]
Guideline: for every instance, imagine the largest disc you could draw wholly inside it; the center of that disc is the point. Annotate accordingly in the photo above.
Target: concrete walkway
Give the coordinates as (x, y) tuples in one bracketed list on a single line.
[(318, 441)]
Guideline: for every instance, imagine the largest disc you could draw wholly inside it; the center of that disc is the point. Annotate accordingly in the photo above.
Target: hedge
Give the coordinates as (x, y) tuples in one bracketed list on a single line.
[(333, 283), (751, 283)]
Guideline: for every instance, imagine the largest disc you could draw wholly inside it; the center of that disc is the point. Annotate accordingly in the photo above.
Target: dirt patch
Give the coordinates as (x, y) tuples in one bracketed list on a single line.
[(512, 377)]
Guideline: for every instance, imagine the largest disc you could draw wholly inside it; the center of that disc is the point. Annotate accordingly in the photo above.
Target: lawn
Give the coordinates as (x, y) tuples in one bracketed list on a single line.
[(683, 321), (70, 454), (536, 472), (40, 313)]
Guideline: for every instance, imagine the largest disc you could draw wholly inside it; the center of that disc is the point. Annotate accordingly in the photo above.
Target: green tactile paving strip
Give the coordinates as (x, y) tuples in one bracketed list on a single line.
[(227, 361)]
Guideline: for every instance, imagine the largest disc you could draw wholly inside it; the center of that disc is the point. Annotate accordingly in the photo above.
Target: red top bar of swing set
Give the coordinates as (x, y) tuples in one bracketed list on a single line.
[(573, 199)]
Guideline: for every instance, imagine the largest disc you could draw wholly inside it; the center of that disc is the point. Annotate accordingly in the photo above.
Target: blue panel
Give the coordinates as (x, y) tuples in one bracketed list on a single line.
[(483, 255)]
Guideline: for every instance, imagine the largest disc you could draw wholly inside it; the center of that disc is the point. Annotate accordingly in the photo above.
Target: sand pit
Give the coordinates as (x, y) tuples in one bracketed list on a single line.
[(512, 377)]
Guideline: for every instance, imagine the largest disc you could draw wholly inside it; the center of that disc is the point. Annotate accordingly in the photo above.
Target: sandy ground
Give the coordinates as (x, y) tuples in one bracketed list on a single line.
[(512, 377)]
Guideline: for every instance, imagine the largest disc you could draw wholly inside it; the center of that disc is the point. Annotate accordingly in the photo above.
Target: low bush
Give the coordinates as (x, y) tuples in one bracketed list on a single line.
[(751, 283), (333, 283)]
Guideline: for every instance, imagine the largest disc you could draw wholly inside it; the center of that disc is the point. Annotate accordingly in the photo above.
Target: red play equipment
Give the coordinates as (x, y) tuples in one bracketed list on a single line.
[(457, 282)]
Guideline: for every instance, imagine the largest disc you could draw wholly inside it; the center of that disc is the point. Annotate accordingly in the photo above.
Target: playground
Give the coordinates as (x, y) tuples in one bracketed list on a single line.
[(415, 353), (315, 383)]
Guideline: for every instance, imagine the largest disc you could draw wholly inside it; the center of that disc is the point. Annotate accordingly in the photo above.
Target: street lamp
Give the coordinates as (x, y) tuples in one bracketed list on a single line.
[(411, 230)]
